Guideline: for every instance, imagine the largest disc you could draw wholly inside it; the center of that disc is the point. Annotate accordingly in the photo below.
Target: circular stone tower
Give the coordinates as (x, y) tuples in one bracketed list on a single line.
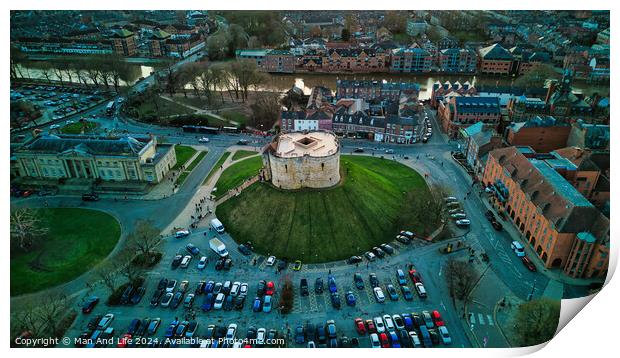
[(303, 160)]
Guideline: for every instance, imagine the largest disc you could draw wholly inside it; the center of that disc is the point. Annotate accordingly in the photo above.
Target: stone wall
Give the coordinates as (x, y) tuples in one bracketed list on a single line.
[(304, 172)]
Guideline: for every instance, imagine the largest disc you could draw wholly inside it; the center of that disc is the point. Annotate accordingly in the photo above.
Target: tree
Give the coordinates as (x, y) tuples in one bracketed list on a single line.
[(217, 45), (18, 58), (51, 308), (238, 39), (26, 228), (345, 34), (287, 297), (536, 321), (315, 32), (265, 110), (395, 21), (245, 74), (41, 316), (537, 76), (460, 278), (145, 237), (107, 273)]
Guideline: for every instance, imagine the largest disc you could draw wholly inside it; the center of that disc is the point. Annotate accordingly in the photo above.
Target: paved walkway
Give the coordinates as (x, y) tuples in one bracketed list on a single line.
[(201, 111)]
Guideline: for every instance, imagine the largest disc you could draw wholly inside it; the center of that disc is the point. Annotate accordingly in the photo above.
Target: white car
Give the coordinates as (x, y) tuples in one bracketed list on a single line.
[(234, 290), (54, 126), (260, 336), (202, 263), (232, 332), (219, 301), (389, 323), (450, 199), (415, 340), (203, 140), (185, 262), (374, 341), (379, 324), (421, 289), (243, 290), (445, 335), (458, 216), (379, 294), (271, 260), (463, 222), (398, 322), (105, 321), (181, 233)]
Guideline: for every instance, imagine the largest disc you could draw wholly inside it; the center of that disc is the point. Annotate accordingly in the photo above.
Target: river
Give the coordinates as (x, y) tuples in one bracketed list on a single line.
[(306, 81)]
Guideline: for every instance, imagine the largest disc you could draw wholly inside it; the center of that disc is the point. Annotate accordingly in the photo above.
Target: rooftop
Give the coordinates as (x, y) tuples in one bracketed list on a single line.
[(298, 144)]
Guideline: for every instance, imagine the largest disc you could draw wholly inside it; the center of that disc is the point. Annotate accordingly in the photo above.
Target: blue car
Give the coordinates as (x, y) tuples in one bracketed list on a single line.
[(256, 306), (350, 298), (207, 302), (408, 321), (394, 339), (171, 328), (209, 287), (331, 282)]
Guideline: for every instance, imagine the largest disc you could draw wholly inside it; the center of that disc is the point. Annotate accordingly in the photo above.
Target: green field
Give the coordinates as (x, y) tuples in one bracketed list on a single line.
[(181, 178), (77, 240), (368, 208), (236, 174), (216, 167), (76, 128), (164, 108), (183, 153), (242, 154), (235, 116)]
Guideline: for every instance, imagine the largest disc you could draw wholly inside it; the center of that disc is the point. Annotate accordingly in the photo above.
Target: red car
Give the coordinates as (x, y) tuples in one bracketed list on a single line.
[(437, 318), (122, 343), (359, 326), (270, 288), (26, 193), (415, 276), (528, 263), (371, 326), (385, 342)]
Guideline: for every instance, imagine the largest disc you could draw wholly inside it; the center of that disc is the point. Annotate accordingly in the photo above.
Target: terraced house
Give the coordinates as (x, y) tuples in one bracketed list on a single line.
[(83, 157), (353, 60), (411, 60), (562, 227), (494, 60), (455, 60)]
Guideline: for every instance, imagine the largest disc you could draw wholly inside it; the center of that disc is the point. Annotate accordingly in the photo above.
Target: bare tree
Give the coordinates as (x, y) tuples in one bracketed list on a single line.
[(50, 310), (461, 278), (126, 266), (145, 237), (26, 227), (107, 273)]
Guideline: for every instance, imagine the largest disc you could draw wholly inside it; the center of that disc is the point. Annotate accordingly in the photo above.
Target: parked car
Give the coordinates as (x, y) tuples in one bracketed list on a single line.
[(392, 292), (421, 290), (359, 282), (400, 276), (407, 294), (297, 265), (374, 341), (176, 261), (166, 299), (318, 285), (445, 335), (437, 318), (303, 287), (359, 326), (90, 197), (156, 297), (331, 283), (528, 263), (185, 261), (244, 250), (387, 248), (270, 260), (379, 296), (172, 284), (192, 249), (463, 222), (267, 304), (335, 298), (202, 263), (354, 260), (90, 303), (370, 256), (219, 301), (374, 281), (350, 298), (136, 297)]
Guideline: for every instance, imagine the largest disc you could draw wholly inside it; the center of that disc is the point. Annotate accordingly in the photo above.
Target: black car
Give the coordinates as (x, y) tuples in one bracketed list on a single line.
[(359, 150), (239, 301), (242, 142), (497, 225), (354, 260), (137, 295), (251, 334), (321, 334), (260, 290), (176, 261), (200, 288), (387, 248), (490, 216), (403, 239), (245, 250), (335, 300), (126, 295), (318, 285), (303, 287), (162, 284), (310, 332), (359, 282), (143, 327), (176, 299), (156, 297), (192, 249), (134, 326), (94, 322), (90, 304), (90, 197), (380, 253), (219, 265), (228, 303), (282, 264), (405, 340), (374, 281), (227, 264)]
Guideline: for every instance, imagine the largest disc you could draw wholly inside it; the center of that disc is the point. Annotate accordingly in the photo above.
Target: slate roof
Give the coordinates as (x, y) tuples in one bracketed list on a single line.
[(477, 104), (559, 202), (53, 144), (495, 52)]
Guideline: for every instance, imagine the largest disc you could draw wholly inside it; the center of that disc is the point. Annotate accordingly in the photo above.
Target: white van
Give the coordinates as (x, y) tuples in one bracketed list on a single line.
[(217, 226), (517, 248)]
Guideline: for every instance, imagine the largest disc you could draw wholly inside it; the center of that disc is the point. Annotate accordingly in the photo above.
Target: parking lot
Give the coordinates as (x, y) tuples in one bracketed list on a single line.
[(56, 102), (314, 308)]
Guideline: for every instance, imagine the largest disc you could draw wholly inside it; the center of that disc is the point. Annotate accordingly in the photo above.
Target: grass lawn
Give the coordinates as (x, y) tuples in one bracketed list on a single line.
[(236, 174), (183, 153), (242, 154), (235, 116), (77, 240), (190, 167), (217, 166), (368, 208), (165, 108), (76, 128)]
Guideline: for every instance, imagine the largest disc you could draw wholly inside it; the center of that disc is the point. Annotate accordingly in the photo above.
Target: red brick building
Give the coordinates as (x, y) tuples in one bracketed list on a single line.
[(561, 226), (124, 42), (543, 134), (495, 60)]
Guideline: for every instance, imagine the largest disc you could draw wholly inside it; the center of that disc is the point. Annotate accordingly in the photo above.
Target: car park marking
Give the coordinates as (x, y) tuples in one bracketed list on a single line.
[(481, 319), (490, 320)]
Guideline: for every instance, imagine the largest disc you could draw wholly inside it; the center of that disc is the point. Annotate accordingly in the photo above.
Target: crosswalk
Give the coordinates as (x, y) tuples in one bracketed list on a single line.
[(478, 318)]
